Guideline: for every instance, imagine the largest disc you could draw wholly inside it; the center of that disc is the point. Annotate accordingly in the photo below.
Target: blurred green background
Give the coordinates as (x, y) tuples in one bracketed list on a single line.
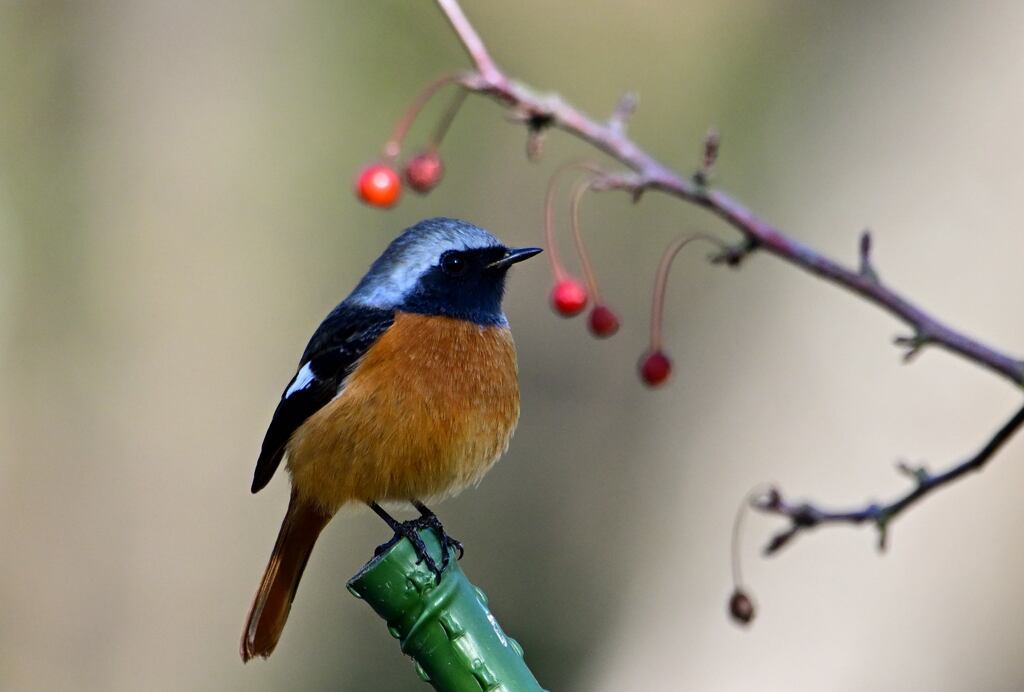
[(176, 217)]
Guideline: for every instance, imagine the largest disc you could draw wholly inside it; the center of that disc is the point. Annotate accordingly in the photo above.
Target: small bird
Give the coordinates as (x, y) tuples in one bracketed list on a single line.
[(407, 392)]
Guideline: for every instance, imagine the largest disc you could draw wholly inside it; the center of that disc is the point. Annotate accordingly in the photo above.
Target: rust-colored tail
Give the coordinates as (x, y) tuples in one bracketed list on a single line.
[(299, 530)]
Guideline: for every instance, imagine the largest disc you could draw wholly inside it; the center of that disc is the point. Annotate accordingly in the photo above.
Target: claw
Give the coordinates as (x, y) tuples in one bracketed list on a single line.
[(430, 521), (410, 531)]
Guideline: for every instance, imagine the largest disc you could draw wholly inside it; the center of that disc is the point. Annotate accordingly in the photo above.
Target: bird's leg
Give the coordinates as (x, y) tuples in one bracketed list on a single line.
[(429, 520), (409, 530)]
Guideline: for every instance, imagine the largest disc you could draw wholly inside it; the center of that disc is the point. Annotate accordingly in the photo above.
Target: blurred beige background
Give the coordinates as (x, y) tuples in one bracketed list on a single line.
[(176, 217)]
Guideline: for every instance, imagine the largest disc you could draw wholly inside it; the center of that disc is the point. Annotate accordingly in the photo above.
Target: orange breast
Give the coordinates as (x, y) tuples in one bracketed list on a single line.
[(428, 410)]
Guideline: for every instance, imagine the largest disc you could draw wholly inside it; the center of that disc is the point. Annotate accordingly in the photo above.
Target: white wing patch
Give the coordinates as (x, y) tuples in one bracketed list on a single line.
[(302, 380)]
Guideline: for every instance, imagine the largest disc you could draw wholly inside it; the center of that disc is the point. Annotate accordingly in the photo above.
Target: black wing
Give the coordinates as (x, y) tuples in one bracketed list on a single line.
[(338, 343)]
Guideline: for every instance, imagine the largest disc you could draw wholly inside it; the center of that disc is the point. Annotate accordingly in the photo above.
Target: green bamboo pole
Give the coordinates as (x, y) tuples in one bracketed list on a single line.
[(446, 628)]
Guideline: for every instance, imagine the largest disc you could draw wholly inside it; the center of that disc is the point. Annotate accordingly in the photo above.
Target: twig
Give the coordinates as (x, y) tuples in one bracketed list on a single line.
[(470, 39), (542, 111), (805, 516), (549, 110)]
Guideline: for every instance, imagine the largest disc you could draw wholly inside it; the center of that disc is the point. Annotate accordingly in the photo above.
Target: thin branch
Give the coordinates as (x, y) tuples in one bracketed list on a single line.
[(544, 111), (541, 111), (805, 516), (470, 39)]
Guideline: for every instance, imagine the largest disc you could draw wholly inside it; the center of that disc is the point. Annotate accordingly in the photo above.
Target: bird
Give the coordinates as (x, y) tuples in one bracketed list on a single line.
[(407, 392)]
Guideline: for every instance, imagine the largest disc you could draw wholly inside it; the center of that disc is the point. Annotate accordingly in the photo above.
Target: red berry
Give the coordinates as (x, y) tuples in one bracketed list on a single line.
[(378, 185), (655, 368), (603, 322), (424, 171), (569, 297)]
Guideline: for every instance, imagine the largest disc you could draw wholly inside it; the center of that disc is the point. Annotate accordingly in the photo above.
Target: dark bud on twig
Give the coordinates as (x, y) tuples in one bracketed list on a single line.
[(733, 255), (865, 245), (741, 608), (919, 474), (539, 120), (867, 270), (771, 500), (883, 536), (913, 344), (779, 540), (707, 164)]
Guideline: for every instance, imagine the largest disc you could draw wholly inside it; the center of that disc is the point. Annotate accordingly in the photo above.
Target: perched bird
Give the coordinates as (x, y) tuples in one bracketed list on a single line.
[(408, 391)]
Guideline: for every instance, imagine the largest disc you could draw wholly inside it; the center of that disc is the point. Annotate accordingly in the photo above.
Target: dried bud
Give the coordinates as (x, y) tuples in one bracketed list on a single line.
[(741, 608)]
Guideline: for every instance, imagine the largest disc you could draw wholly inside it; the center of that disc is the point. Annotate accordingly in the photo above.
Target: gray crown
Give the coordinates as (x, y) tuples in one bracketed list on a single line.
[(412, 254)]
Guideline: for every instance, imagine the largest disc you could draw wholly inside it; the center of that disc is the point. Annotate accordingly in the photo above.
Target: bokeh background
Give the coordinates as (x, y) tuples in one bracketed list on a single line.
[(176, 217)]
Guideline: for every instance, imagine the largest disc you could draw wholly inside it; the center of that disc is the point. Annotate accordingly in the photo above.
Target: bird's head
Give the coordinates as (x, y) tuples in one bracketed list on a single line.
[(442, 267)]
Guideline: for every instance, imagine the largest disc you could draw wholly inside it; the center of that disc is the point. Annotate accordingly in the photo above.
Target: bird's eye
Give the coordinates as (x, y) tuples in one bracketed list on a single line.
[(453, 264)]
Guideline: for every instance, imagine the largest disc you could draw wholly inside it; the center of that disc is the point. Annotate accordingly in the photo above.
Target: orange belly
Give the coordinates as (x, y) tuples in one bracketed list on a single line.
[(428, 410)]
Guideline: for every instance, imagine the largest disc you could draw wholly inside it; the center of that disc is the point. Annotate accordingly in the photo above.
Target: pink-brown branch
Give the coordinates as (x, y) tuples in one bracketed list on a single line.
[(804, 516), (541, 111), (648, 173)]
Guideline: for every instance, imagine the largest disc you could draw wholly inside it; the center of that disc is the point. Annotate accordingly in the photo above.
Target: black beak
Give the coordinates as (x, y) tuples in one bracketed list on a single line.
[(513, 255)]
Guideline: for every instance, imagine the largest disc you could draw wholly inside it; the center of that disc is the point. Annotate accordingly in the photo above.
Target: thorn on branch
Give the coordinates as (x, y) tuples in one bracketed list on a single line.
[(800, 518), (867, 270), (882, 523), (918, 474), (779, 540), (913, 343), (625, 108)]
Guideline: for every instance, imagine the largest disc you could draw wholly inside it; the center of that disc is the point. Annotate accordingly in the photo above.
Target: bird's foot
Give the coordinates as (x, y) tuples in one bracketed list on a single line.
[(410, 531), (430, 521)]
